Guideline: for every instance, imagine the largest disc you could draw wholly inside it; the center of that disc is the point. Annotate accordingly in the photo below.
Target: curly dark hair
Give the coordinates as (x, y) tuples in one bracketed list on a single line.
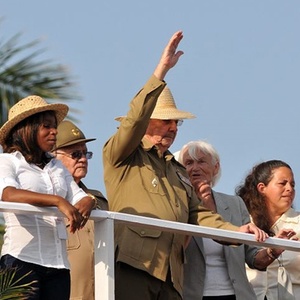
[(23, 138), (254, 200)]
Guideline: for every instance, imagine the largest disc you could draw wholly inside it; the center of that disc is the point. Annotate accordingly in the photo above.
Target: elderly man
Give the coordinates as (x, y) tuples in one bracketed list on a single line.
[(143, 178), (71, 149)]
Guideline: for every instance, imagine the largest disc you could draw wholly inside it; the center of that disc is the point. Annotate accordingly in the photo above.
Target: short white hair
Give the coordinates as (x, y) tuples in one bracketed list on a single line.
[(193, 147)]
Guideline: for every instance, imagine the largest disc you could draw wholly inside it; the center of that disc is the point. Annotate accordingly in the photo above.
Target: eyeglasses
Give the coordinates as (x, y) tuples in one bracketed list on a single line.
[(168, 122), (179, 122), (77, 154)]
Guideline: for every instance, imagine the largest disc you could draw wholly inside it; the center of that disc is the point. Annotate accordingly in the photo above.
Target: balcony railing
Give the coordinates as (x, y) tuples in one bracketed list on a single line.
[(104, 238)]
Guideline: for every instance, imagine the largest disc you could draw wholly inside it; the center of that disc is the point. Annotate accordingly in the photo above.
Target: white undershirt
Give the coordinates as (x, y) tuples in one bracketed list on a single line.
[(217, 281)]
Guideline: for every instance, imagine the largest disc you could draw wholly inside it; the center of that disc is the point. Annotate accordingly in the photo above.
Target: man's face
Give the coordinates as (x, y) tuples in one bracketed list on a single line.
[(162, 133), (78, 167)]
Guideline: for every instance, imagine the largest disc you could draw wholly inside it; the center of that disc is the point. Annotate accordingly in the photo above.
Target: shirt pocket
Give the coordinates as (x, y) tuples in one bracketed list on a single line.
[(73, 241), (151, 180), (59, 184), (141, 243)]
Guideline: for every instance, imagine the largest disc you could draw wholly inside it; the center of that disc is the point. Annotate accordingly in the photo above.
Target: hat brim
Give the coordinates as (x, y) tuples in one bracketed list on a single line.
[(61, 111), (171, 114), (74, 143), (168, 114)]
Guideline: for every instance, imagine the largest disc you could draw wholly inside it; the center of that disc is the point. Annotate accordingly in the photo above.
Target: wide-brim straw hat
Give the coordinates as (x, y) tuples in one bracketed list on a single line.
[(165, 108), (69, 134), (27, 107)]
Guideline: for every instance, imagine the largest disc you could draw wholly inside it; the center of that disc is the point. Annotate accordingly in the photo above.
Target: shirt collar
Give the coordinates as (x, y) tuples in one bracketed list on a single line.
[(148, 146)]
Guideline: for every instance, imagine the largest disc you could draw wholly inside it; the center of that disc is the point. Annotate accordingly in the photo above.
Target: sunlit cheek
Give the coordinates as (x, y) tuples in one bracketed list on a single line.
[(80, 172)]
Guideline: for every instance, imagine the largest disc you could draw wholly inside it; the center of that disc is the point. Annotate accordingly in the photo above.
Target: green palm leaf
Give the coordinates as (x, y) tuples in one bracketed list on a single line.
[(22, 73), (11, 289)]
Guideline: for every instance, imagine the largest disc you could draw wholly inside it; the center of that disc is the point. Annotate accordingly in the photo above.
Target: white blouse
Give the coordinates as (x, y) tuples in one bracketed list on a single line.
[(34, 238), (265, 283)]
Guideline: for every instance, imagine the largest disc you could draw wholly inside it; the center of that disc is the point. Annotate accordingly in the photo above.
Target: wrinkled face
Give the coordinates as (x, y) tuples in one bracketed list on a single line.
[(280, 191), (46, 135), (200, 169), (78, 167), (162, 133)]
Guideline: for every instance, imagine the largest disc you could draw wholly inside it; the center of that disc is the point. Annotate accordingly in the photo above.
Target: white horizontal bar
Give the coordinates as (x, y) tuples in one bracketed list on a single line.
[(176, 227)]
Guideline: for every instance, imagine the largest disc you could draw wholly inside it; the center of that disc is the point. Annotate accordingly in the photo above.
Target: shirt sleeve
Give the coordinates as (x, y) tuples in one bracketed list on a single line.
[(133, 126), (8, 175), (74, 192)]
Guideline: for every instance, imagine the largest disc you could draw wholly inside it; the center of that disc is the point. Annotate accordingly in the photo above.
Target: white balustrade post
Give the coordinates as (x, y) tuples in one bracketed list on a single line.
[(104, 260)]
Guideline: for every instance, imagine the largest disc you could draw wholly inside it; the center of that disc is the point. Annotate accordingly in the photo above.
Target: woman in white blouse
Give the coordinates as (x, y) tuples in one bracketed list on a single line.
[(269, 192), (36, 244)]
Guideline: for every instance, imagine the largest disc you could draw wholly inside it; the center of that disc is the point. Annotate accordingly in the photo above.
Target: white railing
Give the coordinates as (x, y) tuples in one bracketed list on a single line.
[(104, 239)]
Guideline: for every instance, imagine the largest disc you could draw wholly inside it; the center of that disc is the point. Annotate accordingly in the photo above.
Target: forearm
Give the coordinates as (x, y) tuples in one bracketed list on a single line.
[(265, 257), (207, 218), (134, 125), (12, 194)]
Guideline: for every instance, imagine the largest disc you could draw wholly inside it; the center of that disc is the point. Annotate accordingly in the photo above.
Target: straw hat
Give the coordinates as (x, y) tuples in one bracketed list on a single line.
[(69, 134), (27, 107), (166, 109)]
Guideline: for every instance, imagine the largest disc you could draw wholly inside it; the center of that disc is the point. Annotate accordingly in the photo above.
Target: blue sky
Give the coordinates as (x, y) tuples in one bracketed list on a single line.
[(239, 74)]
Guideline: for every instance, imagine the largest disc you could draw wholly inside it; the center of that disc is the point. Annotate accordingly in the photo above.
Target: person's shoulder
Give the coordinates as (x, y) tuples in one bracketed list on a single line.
[(58, 166), (9, 155), (292, 213), (227, 197), (13, 158), (181, 172), (102, 202), (177, 163), (101, 199), (97, 193)]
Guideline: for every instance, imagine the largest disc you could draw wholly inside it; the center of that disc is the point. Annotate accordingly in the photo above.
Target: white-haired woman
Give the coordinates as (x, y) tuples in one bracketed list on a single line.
[(210, 264)]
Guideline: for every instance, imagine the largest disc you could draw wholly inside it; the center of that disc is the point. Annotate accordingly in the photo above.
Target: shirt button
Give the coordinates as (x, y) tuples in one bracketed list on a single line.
[(142, 232)]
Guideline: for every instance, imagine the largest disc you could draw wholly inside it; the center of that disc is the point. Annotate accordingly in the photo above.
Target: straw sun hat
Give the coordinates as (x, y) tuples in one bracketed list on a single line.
[(166, 109), (27, 107)]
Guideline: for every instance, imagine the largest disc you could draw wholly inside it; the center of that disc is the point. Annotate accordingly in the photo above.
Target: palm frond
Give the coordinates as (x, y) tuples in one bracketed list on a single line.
[(22, 73), (10, 288)]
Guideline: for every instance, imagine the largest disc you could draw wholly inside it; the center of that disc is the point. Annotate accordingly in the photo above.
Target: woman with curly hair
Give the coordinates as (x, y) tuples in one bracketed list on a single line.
[(268, 192)]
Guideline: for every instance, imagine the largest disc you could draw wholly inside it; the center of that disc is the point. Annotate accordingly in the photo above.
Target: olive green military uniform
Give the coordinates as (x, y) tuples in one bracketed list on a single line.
[(80, 246), (142, 181)]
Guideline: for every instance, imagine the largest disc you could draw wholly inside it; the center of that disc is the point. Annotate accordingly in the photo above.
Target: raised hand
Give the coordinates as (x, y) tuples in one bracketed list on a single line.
[(170, 56)]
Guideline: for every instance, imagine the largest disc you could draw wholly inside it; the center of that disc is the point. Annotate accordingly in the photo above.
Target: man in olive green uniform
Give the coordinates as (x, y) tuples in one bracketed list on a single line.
[(143, 178), (72, 151)]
